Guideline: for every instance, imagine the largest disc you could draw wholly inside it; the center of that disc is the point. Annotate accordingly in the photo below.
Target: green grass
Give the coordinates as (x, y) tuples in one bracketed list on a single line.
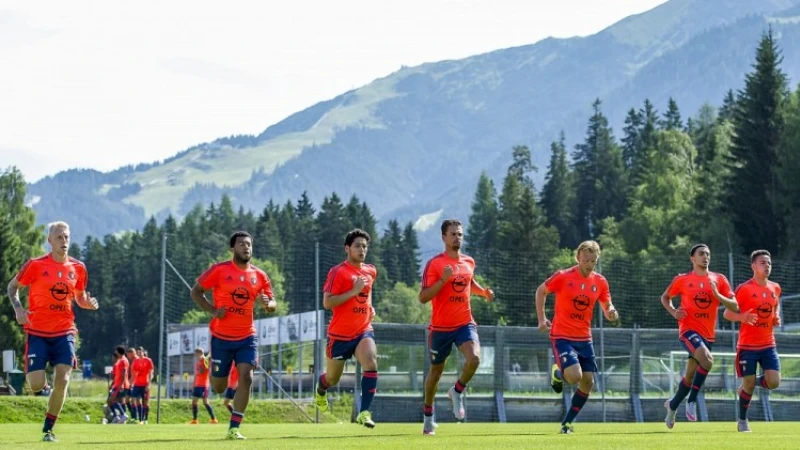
[(775, 435), (24, 409)]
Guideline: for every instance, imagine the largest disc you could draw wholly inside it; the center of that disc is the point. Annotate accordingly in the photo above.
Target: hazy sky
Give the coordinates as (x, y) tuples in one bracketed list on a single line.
[(102, 84)]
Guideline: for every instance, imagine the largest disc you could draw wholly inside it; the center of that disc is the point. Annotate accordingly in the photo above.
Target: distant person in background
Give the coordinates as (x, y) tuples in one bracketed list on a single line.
[(120, 378), (54, 282), (202, 372), (759, 298), (142, 369), (129, 403)]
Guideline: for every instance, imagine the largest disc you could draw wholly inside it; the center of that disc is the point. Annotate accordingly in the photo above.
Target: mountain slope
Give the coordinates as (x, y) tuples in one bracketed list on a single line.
[(414, 142)]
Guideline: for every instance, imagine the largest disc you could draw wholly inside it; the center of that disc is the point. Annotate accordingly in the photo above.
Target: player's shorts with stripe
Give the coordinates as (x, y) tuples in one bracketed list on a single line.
[(138, 391), (55, 350), (224, 353), (568, 353), (200, 392), (747, 361), (344, 350), (692, 340), (440, 343)]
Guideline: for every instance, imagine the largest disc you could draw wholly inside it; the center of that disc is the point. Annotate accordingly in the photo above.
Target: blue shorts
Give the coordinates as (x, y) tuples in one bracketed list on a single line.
[(125, 392), (692, 340), (748, 360), (344, 350), (56, 350), (138, 391), (224, 353), (568, 353), (200, 392), (230, 393), (440, 343)]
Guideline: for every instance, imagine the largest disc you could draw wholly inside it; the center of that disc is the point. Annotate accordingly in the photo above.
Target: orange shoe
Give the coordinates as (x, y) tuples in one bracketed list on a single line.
[(193, 422), (213, 421)]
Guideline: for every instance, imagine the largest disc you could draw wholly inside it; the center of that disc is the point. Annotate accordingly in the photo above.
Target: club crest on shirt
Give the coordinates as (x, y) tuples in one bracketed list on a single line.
[(774, 296), (701, 285), (253, 281), (764, 294), (594, 288), (241, 277), (59, 274), (71, 275), (583, 286)]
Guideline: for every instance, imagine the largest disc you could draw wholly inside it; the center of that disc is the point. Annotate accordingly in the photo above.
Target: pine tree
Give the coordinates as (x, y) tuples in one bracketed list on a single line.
[(481, 232), (672, 118), (631, 141), (754, 188), (409, 257), (728, 107), (558, 199), (600, 174)]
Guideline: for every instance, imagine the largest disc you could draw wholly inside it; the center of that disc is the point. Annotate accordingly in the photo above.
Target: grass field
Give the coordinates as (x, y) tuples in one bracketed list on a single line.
[(774, 435)]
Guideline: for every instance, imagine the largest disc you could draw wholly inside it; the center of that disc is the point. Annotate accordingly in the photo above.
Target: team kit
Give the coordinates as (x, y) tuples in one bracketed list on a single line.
[(237, 287)]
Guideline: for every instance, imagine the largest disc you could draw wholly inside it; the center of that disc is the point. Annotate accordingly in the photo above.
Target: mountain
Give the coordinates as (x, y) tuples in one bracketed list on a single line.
[(412, 144)]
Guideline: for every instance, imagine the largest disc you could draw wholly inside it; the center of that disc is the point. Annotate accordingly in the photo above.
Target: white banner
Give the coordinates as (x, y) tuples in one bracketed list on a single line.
[(202, 339), (290, 328), (174, 344), (308, 325), (268, 331), (187, 342)]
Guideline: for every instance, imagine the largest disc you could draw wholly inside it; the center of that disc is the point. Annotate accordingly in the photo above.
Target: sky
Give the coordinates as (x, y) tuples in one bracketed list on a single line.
[(98, 84)]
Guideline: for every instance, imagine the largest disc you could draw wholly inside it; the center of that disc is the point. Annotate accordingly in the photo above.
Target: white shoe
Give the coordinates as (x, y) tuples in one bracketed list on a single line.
[(670, 419), (691, 411)]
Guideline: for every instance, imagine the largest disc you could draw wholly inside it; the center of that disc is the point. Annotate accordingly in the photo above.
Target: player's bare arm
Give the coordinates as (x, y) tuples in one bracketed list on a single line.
[(486, 292), (85, 300), (777, 322), (666, 300), (728, 303), (427, 294), (330, 301), (13, 293), (541, 297), (748, 317), (199, 298)]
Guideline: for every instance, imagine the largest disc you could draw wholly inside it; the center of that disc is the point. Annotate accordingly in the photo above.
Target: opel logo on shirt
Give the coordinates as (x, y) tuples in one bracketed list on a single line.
[(240, 296), (459, 283), (702, 301), (580, 303), (764, 310), (59, 291)]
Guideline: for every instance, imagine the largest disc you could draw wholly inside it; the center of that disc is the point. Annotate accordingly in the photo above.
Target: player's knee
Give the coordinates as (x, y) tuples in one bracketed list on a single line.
[(473, 360), (773, 382), (370, 364), (36, 384), (709, 360), (246, 378), (749, 383)]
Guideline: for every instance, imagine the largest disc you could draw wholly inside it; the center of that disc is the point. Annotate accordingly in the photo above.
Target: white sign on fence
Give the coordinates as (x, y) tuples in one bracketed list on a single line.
[(290, 328), (201, 339), (174, 344), (308, 325), (268, 331), (187, 342)]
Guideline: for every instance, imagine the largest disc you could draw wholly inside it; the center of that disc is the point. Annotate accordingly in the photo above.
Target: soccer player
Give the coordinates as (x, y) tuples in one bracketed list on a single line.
[(118, 386), (448, 282), (142, 369), (129, 402), (146, 398), (237, 286), (348, 292), (54, 282), (701, 291), (576, 290), (233, 384), (759, 298), (200, 389)]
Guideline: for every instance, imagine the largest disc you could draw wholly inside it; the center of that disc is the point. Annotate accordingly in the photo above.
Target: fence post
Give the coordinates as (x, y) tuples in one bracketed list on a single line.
[(637, 375), (500, 365), (318, 340), (161, 325)]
